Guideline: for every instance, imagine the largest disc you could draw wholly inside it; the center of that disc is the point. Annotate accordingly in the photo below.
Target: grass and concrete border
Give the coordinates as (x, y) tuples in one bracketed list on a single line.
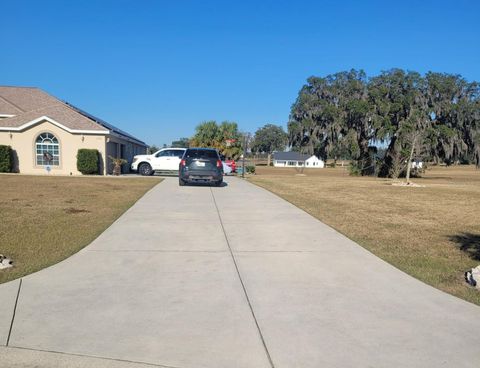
[(47, 219), (431, 232)]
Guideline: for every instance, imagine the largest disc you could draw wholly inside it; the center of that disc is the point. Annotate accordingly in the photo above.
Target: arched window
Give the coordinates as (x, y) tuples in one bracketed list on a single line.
[(47, 150)]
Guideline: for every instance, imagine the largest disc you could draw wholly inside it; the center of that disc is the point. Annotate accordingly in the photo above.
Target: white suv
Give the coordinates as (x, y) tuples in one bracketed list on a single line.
[(166, 160)]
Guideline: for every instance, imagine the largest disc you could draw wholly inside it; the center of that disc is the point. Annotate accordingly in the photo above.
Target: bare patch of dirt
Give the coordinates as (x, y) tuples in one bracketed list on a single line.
[(73, 210), (405, 184)]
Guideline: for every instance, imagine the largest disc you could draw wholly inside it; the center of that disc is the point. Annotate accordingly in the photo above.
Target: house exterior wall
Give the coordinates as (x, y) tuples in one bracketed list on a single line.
[(314, 163), (417, 164), (287, 163), (120, 147), (23, 143)]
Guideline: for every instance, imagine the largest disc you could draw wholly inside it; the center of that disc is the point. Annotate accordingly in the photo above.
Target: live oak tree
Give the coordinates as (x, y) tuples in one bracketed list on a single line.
[(436, 116), (400, 104), (333, 114), (455, 107)]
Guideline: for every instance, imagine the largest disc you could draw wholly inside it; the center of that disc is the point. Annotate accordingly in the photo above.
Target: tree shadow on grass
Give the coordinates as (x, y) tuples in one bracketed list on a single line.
[(468, 243)]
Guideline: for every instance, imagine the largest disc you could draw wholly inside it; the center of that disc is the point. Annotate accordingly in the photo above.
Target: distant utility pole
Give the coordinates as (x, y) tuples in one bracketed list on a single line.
[(245, 145)]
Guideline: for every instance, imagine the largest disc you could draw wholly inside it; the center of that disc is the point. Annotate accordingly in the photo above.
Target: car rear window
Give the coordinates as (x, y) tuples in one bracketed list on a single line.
[(199, 153)]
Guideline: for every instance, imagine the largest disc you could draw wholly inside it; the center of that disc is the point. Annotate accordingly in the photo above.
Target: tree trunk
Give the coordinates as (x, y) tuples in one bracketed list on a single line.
[(391, 167), (409, 164), (364, 156), (268, 160)]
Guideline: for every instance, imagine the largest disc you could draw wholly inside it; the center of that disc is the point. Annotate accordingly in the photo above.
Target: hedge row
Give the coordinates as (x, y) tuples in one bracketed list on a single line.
[(6, 158)]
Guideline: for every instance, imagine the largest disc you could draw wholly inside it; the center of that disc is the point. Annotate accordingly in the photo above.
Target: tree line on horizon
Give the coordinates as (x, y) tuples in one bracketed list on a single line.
[(400, 114), (230, 142)]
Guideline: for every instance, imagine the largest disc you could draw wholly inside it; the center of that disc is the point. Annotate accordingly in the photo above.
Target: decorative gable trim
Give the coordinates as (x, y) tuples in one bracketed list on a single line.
[(56, 123)]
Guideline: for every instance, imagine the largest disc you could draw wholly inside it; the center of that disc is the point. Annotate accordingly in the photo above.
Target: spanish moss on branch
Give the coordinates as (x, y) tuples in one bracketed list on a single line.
[(433, 117)]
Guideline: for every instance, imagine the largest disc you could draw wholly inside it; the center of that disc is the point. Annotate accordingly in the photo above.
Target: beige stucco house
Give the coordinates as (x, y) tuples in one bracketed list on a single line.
[(46, 133)]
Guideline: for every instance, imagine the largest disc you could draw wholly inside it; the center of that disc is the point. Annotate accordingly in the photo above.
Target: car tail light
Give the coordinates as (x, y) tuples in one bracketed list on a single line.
[(182, 163), (219, 163)]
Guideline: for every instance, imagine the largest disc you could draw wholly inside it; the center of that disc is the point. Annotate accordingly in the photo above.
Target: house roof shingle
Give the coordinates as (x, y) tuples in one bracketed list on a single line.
[(58, 112), (28, 104), (26, 98), (7, 108), (290, 156)]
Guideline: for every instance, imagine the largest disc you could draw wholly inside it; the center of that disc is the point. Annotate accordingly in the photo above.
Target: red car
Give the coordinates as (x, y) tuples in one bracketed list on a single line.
[(232, 165)]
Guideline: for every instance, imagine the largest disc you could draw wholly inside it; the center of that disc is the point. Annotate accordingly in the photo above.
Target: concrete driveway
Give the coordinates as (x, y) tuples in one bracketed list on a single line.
[(230, 277)]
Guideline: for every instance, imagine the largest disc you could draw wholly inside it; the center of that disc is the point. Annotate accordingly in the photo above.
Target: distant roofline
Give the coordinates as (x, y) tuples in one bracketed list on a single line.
[(3, 85), (291, 156)]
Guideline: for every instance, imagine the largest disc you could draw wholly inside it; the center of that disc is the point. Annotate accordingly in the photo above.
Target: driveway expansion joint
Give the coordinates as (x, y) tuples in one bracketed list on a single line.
[(276, 251), (242, 284), (94, 357), (153, 251), (14, 311)]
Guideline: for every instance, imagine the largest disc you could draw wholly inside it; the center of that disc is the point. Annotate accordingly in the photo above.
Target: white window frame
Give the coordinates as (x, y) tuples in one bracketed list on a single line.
[(48, 143)]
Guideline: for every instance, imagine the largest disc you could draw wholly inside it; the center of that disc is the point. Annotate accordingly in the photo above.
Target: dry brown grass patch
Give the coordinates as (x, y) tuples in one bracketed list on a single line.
[(44, 220), (431, 232)]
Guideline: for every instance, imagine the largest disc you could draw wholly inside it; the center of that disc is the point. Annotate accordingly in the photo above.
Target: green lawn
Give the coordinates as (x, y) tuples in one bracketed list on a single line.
[(44, 220)]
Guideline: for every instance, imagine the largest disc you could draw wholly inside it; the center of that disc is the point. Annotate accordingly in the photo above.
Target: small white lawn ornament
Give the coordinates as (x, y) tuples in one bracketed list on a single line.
[(473, 277), (5, 262)]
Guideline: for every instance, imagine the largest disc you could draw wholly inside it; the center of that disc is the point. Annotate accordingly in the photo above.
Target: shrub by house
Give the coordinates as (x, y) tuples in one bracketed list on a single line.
[(88, 161), (6, 158)]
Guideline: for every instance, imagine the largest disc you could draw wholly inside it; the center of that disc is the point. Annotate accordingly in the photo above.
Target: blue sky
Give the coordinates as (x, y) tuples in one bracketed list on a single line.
[(158, 68)]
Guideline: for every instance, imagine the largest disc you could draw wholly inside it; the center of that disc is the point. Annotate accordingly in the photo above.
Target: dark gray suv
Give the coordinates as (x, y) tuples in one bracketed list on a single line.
[(200, 165)]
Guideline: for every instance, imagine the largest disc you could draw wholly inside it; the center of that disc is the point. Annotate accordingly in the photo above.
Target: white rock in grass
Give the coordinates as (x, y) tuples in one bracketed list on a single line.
[(473, 277), (5, 262), (476, 275)]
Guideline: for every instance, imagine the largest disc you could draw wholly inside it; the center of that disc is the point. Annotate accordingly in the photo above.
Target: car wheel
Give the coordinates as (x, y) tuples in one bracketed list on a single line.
[(145, 169), (219, 183), (181, 182)]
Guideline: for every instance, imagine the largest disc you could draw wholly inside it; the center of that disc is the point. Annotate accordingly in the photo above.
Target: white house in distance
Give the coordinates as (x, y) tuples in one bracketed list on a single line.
[(295, 159)]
